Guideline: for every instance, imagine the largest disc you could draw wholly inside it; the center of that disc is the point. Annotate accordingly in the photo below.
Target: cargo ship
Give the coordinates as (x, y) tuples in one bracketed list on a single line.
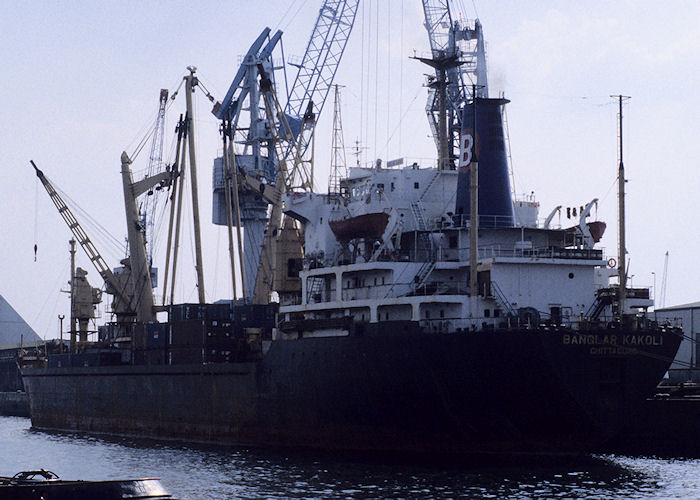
[(421, 309)]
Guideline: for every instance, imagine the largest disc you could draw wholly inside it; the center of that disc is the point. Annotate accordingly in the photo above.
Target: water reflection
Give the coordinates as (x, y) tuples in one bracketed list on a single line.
[(202, 471)]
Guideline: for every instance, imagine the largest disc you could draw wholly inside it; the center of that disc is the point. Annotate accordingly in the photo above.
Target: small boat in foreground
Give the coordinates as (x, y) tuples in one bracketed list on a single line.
[(44, 484)]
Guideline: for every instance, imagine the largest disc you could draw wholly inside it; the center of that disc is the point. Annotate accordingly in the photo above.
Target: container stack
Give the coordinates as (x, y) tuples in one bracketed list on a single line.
[(149, 343), (204, 333), (186, 342)]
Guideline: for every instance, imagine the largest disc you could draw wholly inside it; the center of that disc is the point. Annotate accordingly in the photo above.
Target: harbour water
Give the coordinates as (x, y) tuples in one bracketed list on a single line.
[(192, 471)]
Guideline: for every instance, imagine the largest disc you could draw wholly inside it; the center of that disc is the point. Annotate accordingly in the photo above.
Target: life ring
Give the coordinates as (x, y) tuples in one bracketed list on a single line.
[(612, 263)]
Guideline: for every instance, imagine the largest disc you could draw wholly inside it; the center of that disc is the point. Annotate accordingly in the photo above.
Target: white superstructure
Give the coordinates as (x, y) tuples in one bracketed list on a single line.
[(418, 268)]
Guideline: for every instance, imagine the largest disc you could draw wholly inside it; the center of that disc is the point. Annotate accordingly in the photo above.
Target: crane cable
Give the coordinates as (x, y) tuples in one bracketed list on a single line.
[(376, 84), (151, 130), (36, 216), (107, 238)]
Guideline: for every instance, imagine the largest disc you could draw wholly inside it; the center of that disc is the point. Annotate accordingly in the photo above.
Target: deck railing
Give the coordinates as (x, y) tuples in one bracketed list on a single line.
[(541, 252)]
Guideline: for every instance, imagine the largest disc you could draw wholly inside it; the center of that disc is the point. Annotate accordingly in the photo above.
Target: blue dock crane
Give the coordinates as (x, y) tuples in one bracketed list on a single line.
[(257, 155)]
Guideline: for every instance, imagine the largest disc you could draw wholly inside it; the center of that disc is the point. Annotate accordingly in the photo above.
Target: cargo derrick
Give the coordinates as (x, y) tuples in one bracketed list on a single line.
[(139, 265), (292, 136), (132, 288), (200, 332), (282, 144)]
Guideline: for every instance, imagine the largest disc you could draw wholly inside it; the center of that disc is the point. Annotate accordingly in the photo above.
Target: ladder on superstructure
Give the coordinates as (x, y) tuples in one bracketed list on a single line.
[(424, 247), (500, 297), (315, 286), (430, 184), (423, 274)]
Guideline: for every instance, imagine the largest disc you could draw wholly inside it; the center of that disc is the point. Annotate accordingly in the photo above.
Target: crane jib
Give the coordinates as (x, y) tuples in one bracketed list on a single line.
[(93, 254)]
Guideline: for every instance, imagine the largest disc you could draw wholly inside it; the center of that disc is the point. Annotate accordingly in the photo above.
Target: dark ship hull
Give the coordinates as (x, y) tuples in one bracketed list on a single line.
[(387, 386)]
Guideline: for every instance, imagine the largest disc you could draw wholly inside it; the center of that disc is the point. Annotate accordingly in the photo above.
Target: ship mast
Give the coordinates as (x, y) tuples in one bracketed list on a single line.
[(338, 161), (621, 251), (473, 209), (442, 64), (458, 56), (72, 296), (190, 82)]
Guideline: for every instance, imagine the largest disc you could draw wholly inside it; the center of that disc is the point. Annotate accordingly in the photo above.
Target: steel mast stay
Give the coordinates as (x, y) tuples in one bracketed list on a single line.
[(231, 198), (178, 209), (175, 207)]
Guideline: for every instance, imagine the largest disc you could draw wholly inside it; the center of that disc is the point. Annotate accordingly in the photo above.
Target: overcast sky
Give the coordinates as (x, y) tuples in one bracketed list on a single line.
[(82, 80)]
